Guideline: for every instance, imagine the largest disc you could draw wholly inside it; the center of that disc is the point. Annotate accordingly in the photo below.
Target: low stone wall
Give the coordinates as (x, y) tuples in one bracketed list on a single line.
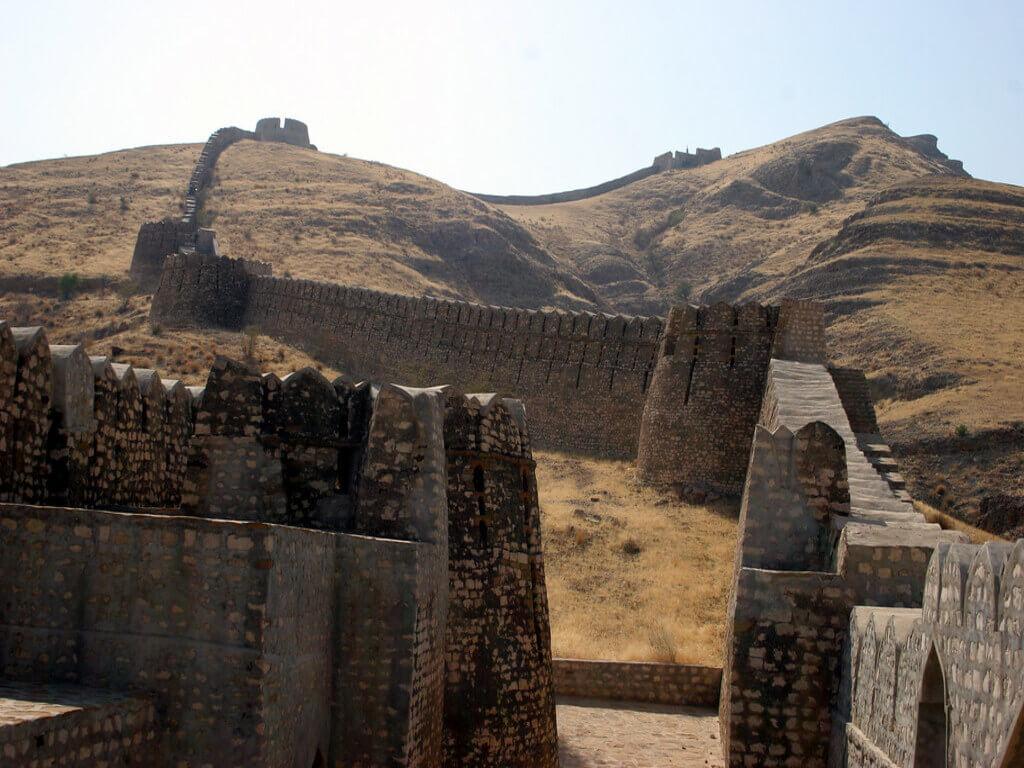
[(682, 684), (74, 727)]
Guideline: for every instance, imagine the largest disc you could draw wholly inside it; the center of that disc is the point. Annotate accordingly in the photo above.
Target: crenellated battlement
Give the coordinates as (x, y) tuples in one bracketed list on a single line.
[(939, 685), (346, 545)]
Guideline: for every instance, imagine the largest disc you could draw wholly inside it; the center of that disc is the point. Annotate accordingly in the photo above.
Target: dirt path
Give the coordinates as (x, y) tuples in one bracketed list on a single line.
[(599, 734)]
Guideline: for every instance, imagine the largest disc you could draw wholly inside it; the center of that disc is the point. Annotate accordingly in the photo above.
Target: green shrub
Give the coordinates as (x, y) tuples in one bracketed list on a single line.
[(961, 430), (68, 285)]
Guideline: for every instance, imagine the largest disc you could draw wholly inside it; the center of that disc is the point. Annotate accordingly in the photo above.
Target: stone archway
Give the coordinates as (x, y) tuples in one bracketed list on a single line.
[(932, 726)]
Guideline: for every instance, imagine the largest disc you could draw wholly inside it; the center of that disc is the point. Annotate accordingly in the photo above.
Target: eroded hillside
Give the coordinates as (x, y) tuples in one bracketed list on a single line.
[(363, 223), (920, 266)]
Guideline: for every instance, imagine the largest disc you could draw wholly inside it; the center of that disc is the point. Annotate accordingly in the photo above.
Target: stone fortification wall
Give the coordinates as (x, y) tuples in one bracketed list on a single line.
[(581, 376), (499, 701), (189, 612), (651, 682), (664, 162), (943, 684), (288, 131), (80, 430), (73, 727), (707, 385), (855, 395), (704, 396), (157, 239), (820, 532), (571, 195)]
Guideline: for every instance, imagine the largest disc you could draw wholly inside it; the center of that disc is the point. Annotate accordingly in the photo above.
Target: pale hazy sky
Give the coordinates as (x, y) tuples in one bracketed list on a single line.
[(512, 97)]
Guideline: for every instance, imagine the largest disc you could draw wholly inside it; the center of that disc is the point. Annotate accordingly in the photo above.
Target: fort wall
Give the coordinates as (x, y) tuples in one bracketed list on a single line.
[(84, 431), (664, 162), (650, 682), (705, 395), (499, 703), (582, 376), (820, 532), (942, 684), (73, 726), (158, 239), (124, 600)]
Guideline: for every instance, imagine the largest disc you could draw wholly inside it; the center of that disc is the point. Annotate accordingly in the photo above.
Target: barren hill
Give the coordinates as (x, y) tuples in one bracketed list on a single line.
[(364, 223), (920, 265)]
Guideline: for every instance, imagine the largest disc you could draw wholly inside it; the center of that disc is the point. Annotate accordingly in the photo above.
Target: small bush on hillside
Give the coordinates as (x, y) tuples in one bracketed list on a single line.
[(961, 430), (90, 198), (631, 546), (124, 203), (249, 337), (125, 291), (663, 644), (68, 285)]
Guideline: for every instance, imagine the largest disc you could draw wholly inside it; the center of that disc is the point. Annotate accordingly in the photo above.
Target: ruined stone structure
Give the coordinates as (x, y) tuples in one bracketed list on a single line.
[(287, 131), (158, 239), (353, 577), (665, 162)]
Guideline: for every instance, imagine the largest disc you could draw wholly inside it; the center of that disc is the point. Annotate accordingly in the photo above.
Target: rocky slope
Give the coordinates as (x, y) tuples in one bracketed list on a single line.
[(920, 265)]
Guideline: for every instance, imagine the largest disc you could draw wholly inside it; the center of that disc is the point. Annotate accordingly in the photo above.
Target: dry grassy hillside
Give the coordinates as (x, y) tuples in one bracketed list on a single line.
[(327, 217), (632, 573), (921, 268), (81, 214), (927, 290), (684, 234)]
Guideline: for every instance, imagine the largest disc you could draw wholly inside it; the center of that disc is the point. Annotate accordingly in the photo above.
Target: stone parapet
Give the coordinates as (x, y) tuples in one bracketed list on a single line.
[(655, 683)]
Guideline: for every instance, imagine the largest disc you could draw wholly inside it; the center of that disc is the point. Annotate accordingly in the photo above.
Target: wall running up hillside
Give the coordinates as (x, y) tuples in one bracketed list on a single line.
[(664, 162), (157, 239)]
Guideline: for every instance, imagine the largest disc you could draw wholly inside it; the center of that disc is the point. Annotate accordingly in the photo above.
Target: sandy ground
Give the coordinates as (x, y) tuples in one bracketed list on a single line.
[(593, 733)]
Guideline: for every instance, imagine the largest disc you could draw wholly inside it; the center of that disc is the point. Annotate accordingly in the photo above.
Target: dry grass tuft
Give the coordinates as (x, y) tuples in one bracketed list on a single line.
[(632, 573)]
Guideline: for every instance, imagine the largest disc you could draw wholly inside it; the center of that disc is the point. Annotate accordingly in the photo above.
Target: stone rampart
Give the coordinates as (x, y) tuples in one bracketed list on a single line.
[(820, 532), (943, 684), (73, 726), (499, 703), (707, 386), (412, 626), (582, 376), (158, 239), (651, 682), (83, 431), (664, 162), (288, 131), (127, 602)]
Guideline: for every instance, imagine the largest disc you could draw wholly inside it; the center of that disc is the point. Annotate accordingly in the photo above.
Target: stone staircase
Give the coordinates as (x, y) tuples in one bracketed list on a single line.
[(799, 393)]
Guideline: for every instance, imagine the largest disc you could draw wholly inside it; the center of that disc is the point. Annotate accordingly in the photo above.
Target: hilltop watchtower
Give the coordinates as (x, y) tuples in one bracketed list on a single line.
[(288, 131)]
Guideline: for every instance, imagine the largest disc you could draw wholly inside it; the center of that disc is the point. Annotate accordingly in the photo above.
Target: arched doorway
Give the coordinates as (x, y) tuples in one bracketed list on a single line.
[(932, 732)]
